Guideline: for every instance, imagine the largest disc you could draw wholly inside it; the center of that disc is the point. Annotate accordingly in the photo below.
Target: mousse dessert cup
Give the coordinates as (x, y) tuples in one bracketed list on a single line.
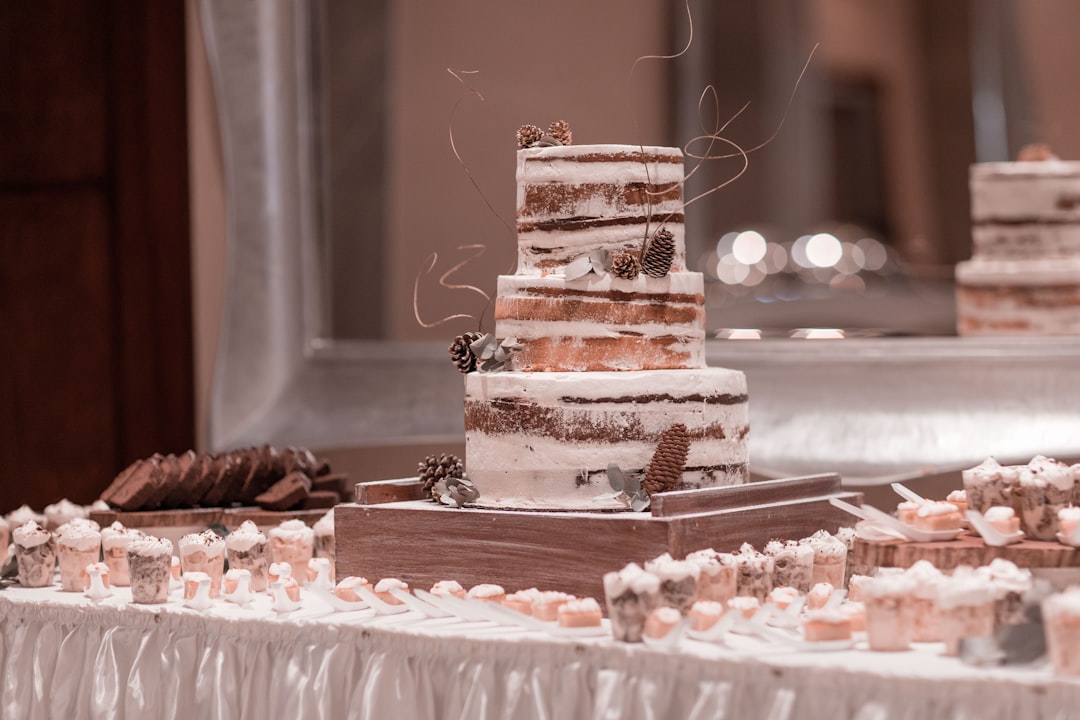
[(631, 595), (249, 549), (35, 554), (678, 581), (889, 605), (77, 545), (1044, 489), (1061, 618), (1010, 584), (926, 612), (830, 559), (150, 566), (293, 542), (966, 602), (114, 542), (793, 564), (989, 483), (204, 552), (718, 580), (755, 573)]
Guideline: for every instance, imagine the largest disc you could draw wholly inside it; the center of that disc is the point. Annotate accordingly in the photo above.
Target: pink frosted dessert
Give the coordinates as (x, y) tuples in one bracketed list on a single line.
[(756, 570), (63, 512), (819, 595), (1003, 519), (888, 602), (989, 484), (959, 499), (580, 613), (782, 597), (248, 549), (486, 592), (522, 600), (660, 622), (150, 565), (204, 552), (934, 516), (632, 594), (546, 604), (293, 542), (346, 588), (77, 545), (1045, 487), (793, 564), (114, 542), (926, 612), (324, 536), (830, 559), (717, 580), (832, 625), (855, 584), (905, 511), (705, 614), (448, 588), (35, 553), (966, 602), (383, 587), (745, 605), (678, 581), (1061, 617), (1069, 525)]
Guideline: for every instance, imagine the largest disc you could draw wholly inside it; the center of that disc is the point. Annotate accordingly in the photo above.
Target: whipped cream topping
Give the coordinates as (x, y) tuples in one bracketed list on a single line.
[(785, 594), (828, 548), (1064, 603), (206, 541), (325, 524), (667, 615), (936, 509), (846, 535), (792, 548), (965, 590), (118, 536), (828, 616), (927, 578), (150, 546), (889, 586), (63, 511), (957, 496), (667, 568), (387, 584), (743, 602), (293, 531), (447, 587), (30, 534), (708, 559), (78, 537), (707, 607), (528, 595), (581, 605), (1067, 514), (989, 470), (355, 581), (547, 597), (24, 514), (999, 513), (245, 537), (633, 578), (1049, 471), (1005, 576), (485, 590)]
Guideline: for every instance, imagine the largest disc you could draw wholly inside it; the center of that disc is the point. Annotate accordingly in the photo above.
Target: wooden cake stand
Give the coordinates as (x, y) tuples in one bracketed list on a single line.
[(390, 532), (968, 549)]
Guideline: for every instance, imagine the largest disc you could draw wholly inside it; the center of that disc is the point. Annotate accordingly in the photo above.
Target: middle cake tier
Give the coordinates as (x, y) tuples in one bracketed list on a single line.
[(545, 440)]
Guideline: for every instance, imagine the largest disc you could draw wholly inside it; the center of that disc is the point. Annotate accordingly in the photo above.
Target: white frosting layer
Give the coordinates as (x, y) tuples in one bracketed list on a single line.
[(935, 509), (990, 470), (485, 590), (293, 531), (1025, 191), (1052, 472), (24, 514), (63, 511), (150, 546), (30, 534), (633, 578), (666, 568), (999, 514), (207, 541), (581, 422), (325, 524), (965, 591), (580, 605), (79, 537), (386, 584), (245, 537)]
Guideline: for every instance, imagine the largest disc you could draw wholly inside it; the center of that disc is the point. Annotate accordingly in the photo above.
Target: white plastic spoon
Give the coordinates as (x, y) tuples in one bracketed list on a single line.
[(990, 534)]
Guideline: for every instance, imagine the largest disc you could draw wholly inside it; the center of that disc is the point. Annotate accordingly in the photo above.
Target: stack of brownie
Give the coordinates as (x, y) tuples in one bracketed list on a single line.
[(289, 479)]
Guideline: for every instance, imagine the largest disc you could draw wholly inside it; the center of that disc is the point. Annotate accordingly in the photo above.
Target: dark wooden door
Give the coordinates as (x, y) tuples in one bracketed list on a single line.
[(95, 300)]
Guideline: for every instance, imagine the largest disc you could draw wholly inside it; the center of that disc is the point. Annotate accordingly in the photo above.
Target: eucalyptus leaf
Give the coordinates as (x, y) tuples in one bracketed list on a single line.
[(578, 268), (633, 484), (640, 502), (478, 345), (597, 259), (616, 478)]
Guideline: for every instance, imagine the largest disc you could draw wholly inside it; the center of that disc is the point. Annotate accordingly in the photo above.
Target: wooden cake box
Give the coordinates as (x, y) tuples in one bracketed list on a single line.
[(388, 532)]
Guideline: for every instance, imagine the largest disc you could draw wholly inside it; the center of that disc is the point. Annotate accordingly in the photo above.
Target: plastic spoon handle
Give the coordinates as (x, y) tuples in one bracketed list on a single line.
[(990, 534), (853, 509), (907, 493)]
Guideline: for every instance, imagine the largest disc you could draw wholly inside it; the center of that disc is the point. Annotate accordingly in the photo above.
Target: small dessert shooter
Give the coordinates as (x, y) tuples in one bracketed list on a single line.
[(114, 542), (35, 553), (755, 578), (989, 484), (705, 614), (1061, 622), (546, 605), (631, 594), (486, 592), (1069, 525), (448, 588), (906, 511), (937, 516), (830, 559), (959, 499), (661, 622), (1003, 519), (1010, 584), (293, 542), (745, 605), (819, 595), (827, 625), (383, 587), (926, 613), (204, 552), (855, 584), (678, 581), (150, 565), (967, 609), (580, 613), (320, 571), (248, 549), (77, 545), (717, 580), (324, 536), (1045, 488), (846, 535), (888, 601), (346, 588), (793, 564), (101, 569), (291, 586), (63, 512), (522, 600)]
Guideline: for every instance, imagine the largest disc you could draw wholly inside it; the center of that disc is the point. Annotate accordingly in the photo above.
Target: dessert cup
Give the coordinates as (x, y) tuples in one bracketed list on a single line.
[(718, 579), (114, 542), (293, 542), (966, 603), (204, 552), (989, 484), (888, 601), (660, 622), (793, 564), (1044, 489), (755, 578), (678, 581), (926, 613), (830, 559), (1010, 584), (705, 614), (63, 512), (76, 547), (35, 554), (631, 594), (248, 549), (150, 565), (578, 613), (324, 536), (1061, 618)]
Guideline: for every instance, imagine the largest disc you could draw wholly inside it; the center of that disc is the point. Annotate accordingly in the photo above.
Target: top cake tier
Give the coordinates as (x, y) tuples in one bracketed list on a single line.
[(576, 199)]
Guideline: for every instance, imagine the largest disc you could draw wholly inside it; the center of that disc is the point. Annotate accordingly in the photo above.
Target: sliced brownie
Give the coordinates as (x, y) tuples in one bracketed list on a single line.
[(286, 493), (180, 494), (141, 486), (230, 471), (318, 499), (118, 482), (268, 467)]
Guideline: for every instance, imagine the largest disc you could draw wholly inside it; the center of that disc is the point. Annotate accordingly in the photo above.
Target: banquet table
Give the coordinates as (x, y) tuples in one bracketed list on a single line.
[(64, 655)]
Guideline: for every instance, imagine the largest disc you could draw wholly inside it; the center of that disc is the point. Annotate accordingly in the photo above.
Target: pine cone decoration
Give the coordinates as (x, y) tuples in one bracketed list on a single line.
[(669, 460), (560, 130), (656, 260), (528, 134), (434, 469), (462, 354), (625, 265)]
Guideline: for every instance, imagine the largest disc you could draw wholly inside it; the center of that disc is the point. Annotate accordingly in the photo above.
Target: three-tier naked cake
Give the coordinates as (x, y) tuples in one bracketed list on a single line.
[(1024, 275), (605, 361)]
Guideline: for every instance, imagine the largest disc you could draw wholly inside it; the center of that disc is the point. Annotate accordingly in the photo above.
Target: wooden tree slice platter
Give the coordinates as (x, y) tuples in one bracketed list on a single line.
[(967, 549), (421, 542)]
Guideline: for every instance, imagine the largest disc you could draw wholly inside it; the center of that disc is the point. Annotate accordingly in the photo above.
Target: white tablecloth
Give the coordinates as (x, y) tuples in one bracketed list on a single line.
[(63, 656)]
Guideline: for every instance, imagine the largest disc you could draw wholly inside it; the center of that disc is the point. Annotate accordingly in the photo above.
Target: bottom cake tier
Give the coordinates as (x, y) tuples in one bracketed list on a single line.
[(545, 440), (1018, 297)]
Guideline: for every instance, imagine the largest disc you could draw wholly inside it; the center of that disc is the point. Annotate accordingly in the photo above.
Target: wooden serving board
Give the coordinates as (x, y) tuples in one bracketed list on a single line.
[(232, 517), (968, 549), (146, 519), (421, 542)]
